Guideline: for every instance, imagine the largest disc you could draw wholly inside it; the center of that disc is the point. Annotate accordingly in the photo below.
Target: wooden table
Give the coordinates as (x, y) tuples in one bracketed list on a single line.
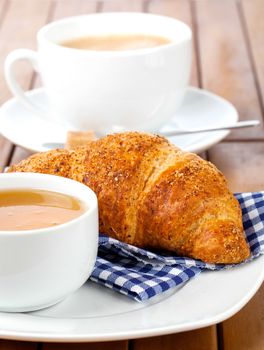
[(228, 59)]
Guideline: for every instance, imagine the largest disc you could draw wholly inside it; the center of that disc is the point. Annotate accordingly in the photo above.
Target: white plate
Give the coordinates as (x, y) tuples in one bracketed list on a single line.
[(96, 313), (200, 108)]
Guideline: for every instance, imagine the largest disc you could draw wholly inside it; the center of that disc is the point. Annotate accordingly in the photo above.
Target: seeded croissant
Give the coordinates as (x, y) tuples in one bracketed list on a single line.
[(153, 195)]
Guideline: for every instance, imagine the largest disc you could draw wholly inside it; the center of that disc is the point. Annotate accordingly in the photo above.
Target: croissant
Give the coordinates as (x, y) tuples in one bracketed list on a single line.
[(153, 195)]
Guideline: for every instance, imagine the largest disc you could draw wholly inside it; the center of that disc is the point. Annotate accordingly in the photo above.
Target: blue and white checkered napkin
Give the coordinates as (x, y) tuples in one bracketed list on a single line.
[(141, 274)]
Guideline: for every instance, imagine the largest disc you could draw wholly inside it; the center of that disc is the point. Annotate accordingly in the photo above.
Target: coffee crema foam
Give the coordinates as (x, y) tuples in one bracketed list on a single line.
[(116, 42)]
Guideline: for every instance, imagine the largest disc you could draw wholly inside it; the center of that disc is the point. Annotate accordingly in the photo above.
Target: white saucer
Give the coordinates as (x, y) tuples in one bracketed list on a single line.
[(96, 313), (200, 108)]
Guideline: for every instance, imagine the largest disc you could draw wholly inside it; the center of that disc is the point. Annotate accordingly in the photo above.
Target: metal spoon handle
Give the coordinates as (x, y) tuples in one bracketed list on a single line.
[(237, 125)]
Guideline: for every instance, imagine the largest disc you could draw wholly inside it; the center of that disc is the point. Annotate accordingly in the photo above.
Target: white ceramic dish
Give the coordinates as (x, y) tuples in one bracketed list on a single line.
[(40, 267), (96, 313), (200, 108)]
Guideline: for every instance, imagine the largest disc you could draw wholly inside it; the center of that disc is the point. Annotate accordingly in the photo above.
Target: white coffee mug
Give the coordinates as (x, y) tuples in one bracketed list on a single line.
[(40, 267), (109, 91)]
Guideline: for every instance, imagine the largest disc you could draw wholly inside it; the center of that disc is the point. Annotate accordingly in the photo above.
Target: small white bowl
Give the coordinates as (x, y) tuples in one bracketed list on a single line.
[(40, 267)]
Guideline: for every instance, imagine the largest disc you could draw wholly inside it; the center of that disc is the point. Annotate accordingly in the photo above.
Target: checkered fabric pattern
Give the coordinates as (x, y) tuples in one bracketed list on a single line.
[(141, 274)]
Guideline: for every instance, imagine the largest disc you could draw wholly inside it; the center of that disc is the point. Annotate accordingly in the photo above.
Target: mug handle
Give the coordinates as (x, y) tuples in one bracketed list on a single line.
[(11, 59)]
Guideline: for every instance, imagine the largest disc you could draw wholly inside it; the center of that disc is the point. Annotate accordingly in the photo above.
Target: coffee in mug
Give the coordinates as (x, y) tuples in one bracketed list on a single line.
[(116, 42)]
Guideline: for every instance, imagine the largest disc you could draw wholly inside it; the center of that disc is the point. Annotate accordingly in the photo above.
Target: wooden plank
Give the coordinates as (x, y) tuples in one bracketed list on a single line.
[(245, 330), (5, 146), (3, 4), (30, 12), (253, 13), (6, 149), (19, 154), (225, 65), (179, 9), (200, 339), (206, 337), (241, 163), (115, 345), (35, 13), (3, 10), (64, 8), (17, 19), (121, 5), (17, 345), (59, 9)]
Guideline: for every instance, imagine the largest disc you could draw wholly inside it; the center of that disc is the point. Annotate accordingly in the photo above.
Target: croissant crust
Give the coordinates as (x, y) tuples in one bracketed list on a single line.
[(152, 194)]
